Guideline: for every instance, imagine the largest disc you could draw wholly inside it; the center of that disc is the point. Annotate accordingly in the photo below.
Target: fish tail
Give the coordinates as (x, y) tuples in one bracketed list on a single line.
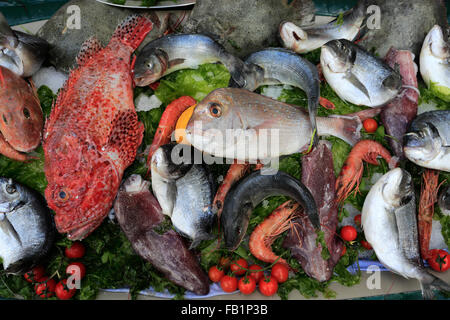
[(343, 127), (431, 282), (204, 236), (133, 30)]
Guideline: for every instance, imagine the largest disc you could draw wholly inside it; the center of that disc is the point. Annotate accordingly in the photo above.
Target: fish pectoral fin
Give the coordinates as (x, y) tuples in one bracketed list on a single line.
[(8, 228), (175, 62), (358, 84)]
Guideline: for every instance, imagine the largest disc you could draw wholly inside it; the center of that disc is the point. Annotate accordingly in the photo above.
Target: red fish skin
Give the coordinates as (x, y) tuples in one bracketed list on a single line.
[(397, 115), (318, 176), (93, 132), (21, 120)]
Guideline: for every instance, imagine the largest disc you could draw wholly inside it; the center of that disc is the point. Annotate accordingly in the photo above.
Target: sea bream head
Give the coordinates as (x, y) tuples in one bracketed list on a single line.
[(167, 161), (150, 67), (396, 187), (82, 196)]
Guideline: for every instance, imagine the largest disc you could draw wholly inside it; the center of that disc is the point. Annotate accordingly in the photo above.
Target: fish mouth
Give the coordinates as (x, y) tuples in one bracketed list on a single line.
[(11, 60)]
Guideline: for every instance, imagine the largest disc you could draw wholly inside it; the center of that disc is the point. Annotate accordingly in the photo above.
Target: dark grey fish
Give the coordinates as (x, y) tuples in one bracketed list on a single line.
[(184, 51), (444, 200), (250, 191), (20, 52), (27, 228), (427, 142), (280, 66)]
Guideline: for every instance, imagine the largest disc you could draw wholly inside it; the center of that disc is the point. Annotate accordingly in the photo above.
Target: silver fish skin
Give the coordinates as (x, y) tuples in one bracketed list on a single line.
[(20, 52), (27, 228), (444, 201), (358, 76), (427, 142), (435, 59), (389, 221), (184, 51), (306, 39), (281, 66)]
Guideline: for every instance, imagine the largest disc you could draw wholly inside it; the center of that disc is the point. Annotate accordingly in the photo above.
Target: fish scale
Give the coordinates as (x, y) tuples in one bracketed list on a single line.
[(93, 128)]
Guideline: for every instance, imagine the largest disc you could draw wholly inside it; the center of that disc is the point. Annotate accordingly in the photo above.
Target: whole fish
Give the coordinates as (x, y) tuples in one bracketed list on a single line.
[(140, 217), (22, 120), (397, 115), (427, 142), (174, 52), (185, 190), (27, 228), (444, 201), (239, 124), (280, 66), (93, 131), (250, 191), (318, 176), (358, 76), (20, 52), (306, 39), (435, 61), (390, 226)]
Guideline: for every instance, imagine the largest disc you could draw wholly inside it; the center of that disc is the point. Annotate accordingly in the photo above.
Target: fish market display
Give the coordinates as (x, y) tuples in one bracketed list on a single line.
[(20, 52), (390, 225), (279, 66), (250, 191), (427, 142), (93, 132), (434, 62), (184, 51), (185, 191), (306, 39), (358, 76), (243, 115), (398, 114), (21, 120), (318, 176), (142, 221), (26, 227), (444, 201)]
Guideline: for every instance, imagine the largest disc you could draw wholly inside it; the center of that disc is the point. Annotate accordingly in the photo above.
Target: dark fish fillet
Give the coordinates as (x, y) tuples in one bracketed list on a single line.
[(398, 114), (140, 218), (318, 176)]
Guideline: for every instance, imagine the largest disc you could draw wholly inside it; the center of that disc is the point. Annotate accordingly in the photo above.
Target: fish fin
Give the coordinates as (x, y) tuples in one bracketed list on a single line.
[(133, 30), (431, 282), (126, 136), (358, 84), (175, 62), (9, 229), (199, 239), (89, 48), (344, 127)]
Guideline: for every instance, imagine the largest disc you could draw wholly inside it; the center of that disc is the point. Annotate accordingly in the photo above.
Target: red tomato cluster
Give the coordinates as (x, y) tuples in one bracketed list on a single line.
[(252, 276), (350, 234), (46, 287)]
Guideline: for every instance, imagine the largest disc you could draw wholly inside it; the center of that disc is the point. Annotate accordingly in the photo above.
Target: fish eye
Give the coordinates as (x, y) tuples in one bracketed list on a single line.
[(10, 188), (4, 119), (150, 65), (26, 113), (215, 110), (63, 195)]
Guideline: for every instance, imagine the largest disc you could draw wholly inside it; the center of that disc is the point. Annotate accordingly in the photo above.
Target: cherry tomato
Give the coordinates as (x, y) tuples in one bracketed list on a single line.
[(71, 269), (268, 286), (35, 274), (256, 275), (215, 274), (366, 245), (370, 125), (357, 219), (247, 285), (75, 251), (63, 292), (236, 266), (228, 283), (45, 288), (280, 272), (348, 233), (439, 260)]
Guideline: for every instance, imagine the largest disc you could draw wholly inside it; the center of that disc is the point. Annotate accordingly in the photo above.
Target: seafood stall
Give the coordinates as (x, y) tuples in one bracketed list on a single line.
[(185, 150)]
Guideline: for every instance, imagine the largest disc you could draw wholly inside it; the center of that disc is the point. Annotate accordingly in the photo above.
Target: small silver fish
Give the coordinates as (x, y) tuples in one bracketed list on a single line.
[(20, 52), (357, 76), (444, 201), (390, 226), (26, 227)]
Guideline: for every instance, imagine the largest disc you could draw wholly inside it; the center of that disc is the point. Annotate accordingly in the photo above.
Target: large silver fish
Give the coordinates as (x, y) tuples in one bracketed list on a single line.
[(184, 51), (306, 39), (20, 52), (26, 227), (389, 220), (280, 66), (427, 142), (358, 76)]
